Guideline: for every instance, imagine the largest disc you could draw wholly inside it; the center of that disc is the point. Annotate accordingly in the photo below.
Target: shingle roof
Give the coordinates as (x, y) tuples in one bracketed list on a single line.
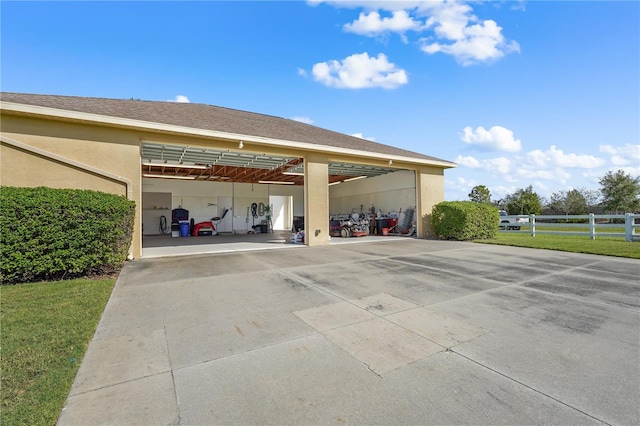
[(209, 117)]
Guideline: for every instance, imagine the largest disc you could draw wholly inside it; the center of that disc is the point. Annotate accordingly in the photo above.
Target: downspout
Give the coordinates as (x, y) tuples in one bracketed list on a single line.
[(41, 152)]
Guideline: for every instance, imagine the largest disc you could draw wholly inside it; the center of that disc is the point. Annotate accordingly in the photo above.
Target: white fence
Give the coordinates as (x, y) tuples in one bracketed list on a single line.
[(598, 225)]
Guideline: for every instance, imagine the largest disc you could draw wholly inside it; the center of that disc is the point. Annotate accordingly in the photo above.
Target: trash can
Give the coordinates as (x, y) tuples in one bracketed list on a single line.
[(381, 223), (175, 229), (184, 229)]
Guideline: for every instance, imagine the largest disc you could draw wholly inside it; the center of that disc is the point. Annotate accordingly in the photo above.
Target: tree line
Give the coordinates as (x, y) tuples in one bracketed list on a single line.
[(619, 193)]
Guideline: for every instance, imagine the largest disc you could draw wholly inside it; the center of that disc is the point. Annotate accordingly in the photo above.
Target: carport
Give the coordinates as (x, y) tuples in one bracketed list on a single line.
[(230, 186), (165, 155)]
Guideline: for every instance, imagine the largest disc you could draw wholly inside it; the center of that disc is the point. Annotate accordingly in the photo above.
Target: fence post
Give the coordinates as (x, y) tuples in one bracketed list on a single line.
[(628, 227), (532, 222), (592, 226)]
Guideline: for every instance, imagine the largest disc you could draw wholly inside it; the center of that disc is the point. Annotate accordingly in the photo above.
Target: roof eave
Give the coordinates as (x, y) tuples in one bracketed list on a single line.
[(85, 117)]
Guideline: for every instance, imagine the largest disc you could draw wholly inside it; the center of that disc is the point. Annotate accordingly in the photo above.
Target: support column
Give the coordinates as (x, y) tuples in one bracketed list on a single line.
[(429, 192), (316, 200)]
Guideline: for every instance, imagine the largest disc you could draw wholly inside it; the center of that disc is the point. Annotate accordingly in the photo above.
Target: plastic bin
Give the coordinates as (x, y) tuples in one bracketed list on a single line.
[(184, 229)]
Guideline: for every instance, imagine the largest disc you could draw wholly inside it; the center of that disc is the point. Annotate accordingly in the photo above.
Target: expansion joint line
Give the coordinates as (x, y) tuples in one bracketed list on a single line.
[(173, 378), (337, 296), (546, 395)]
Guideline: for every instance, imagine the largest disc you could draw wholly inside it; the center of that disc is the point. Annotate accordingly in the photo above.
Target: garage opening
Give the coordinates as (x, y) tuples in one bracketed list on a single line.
[(249, 197)]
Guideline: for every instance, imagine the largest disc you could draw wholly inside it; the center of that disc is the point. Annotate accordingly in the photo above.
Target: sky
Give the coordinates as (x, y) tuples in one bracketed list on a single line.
[(517, 93)]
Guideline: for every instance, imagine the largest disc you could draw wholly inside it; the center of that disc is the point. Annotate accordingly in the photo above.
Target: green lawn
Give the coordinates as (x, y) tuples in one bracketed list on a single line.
[(607, 246), (45, 331)]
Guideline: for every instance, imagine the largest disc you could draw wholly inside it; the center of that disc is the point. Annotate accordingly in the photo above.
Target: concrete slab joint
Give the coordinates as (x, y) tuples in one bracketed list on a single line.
[(396, 332)]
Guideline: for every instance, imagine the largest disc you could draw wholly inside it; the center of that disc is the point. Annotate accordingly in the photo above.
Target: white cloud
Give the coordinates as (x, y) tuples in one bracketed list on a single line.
[(180, 99), (542, 167), (497, 138), (499, 165), (520, 5), (459, 187), (498, 192), (627, 155), (630, 170), (305, 120), (481, 42), (556, 157), (552, 165), (360, 71), (470, 162), (302, 72), (451, 27), (373, 24), (359, 135), (555, 174), (448, 19)]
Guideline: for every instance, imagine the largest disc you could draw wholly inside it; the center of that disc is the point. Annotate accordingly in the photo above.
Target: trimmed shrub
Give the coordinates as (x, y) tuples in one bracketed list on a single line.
[(52, 234), (465, 220)]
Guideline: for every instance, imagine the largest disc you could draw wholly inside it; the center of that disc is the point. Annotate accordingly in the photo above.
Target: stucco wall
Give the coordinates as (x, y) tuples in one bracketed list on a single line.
[(22, 168), (430, 190), (316, 198), (112, 151)]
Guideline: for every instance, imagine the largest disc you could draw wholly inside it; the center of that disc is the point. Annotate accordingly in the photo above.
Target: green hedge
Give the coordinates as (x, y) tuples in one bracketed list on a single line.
[(465, 220), (52, 234)]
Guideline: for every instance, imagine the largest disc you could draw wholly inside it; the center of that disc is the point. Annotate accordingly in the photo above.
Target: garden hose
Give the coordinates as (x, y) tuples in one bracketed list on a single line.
[(163, 224)]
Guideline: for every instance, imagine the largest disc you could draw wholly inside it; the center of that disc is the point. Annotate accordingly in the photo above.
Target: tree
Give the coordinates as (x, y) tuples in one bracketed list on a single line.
[(620, 192), (480, 194), (591, 197), (568, 202), (524, 201)]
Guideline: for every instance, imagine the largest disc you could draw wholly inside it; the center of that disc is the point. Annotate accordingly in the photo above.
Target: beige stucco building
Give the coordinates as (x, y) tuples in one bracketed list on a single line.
[(163, 155)]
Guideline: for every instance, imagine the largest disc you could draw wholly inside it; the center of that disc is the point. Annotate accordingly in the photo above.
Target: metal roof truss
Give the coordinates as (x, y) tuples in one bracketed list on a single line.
[(197, 163)]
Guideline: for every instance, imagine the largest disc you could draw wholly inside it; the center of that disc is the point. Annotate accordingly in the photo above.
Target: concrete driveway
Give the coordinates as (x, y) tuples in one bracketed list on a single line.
[(392, 332)]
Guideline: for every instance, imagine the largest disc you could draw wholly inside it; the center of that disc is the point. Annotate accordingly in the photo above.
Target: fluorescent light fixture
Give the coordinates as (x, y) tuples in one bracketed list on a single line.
[(334, 183), (177, 166), (293, 173), (276, 182), (354, 178), (148, 175)]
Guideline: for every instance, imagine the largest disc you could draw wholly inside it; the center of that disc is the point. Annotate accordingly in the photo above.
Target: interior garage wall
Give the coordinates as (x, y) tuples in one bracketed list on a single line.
[(296, 191), (196, 196), (387, 193)]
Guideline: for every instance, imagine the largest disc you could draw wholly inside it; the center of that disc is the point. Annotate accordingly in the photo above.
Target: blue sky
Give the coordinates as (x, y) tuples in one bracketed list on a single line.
[(518, 93)]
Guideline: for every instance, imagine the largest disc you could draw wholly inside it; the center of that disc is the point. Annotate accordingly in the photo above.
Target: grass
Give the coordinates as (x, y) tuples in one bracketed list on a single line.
[(608, 246), (45, 330)]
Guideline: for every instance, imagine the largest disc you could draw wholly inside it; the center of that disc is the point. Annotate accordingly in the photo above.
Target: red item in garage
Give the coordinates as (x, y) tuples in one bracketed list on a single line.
[(203, 228)]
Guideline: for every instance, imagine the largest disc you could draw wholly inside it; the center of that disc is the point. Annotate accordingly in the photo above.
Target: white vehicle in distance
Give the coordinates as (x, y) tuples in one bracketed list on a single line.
[(510, 222)]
